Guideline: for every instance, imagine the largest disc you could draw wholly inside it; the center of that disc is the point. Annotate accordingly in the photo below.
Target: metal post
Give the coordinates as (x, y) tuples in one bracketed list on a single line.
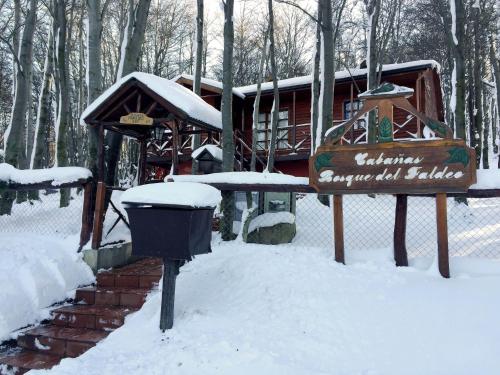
[(170, 271)]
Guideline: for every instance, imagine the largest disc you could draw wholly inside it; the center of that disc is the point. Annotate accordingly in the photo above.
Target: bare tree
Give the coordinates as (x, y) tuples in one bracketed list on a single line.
[(197, 71), (276, 95), (129, 59), (227, 118), (256, 105), (456, 39), (18, 118)]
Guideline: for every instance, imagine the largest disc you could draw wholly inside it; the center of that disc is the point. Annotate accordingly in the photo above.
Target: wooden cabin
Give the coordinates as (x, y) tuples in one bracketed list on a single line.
[(294, 132)]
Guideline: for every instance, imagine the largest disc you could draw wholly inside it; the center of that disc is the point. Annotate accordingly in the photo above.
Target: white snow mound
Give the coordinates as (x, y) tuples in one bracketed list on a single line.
[(35, 272), (173, 193), (270, 219)]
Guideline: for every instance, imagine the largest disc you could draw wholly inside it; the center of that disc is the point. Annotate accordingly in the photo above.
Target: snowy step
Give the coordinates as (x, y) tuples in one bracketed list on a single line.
[(145, 273), (25, 360), (60, 341), (112, 296), (91, 316)]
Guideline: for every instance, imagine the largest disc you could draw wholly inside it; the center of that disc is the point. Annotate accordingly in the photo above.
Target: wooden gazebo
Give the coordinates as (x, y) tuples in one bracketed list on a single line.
[(147, 108)]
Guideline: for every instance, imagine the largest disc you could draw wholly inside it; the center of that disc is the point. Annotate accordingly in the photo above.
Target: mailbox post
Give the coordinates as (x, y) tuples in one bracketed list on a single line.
[(173, 221)]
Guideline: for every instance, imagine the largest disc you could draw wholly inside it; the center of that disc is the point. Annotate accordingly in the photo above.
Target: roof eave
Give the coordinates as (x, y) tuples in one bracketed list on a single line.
[(304, 86)]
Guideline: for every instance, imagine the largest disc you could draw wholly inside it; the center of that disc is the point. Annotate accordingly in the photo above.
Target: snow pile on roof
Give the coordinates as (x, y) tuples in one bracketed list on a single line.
[(487, 179), (385, 89), (209, 82), (270, 219), (179, 96), (58, 175), (36, 272), (343, 74), (213, 150), (173, 193), (242, 178)]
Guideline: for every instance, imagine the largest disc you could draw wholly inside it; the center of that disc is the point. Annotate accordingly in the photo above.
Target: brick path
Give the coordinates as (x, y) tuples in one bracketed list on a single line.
[(76, 328)]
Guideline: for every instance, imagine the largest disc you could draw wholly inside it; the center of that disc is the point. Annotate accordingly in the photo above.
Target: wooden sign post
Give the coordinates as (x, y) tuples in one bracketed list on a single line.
[(407, 167)]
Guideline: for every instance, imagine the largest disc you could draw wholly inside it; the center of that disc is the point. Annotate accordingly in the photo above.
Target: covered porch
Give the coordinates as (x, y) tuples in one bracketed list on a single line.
[(160, 115)]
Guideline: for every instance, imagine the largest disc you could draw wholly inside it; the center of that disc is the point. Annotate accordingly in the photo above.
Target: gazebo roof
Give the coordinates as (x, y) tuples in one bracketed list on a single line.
[(145, 90)]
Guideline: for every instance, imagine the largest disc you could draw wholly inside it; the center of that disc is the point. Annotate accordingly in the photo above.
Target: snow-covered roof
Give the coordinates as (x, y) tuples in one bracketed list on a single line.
[(340, 75), (243, 178), (58, 176), (210, 83), (183, 99), (187, 194), (213, 150)]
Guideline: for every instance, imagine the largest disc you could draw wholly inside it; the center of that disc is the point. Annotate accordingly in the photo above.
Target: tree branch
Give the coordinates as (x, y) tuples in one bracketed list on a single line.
[(288, 2)]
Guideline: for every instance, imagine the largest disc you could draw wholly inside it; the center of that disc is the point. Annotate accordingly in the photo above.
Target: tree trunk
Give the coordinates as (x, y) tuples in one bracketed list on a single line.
[(14, 133), (129, 61), (327, 69), (486, 129), (227, 119), (16, 39), (478, 87), (373, 9), (44, 108), (64, 107), (197, 72), (256, 104), (94, 84), (456, 39), (276, 104), (494, 60), (315, 86)]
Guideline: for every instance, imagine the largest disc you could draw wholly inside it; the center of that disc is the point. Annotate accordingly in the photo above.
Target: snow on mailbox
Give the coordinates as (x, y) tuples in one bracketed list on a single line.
[(173, 221)]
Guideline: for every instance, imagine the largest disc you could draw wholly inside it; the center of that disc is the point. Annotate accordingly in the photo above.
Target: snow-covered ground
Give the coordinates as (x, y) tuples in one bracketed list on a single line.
[(255, 309), (290, 309), (39, 263)]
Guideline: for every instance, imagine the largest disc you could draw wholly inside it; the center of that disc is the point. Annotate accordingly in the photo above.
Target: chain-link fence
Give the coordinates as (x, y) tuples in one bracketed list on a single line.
[(474, 229), (43, 216)]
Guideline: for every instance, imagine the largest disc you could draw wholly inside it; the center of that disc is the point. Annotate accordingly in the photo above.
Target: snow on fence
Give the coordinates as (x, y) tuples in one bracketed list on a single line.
[(41, 214)]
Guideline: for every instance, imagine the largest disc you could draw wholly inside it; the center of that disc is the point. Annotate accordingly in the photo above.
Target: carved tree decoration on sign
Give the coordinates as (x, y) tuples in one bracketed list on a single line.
[(431, 166), (385, 97)]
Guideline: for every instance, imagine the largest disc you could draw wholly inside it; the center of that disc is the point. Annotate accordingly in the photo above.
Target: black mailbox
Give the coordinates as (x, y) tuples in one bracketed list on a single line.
[(173, 221), (170, 232)]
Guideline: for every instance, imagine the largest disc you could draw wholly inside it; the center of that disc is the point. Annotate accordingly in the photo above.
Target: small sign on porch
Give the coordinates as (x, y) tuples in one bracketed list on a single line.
[(136, 118)]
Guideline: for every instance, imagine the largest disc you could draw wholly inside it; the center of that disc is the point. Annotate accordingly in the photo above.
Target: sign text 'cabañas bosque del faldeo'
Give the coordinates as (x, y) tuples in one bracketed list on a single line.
[(427, 166)]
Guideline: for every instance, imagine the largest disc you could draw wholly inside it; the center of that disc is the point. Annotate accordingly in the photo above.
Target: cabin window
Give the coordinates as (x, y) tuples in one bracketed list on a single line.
[(264, 130), (350, 109)]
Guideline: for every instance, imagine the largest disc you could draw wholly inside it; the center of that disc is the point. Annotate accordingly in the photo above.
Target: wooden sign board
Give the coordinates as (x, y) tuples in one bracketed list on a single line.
[(136, 118), (412, 167)]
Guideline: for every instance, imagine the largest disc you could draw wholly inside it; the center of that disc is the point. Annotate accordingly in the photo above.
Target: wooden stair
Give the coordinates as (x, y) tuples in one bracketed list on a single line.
[(76, 328)]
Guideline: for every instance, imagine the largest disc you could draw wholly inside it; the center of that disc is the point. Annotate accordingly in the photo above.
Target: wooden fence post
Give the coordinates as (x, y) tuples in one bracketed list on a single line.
[(99, 215), (400, 253), (442, 235), (86, 215), (338, 228)]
